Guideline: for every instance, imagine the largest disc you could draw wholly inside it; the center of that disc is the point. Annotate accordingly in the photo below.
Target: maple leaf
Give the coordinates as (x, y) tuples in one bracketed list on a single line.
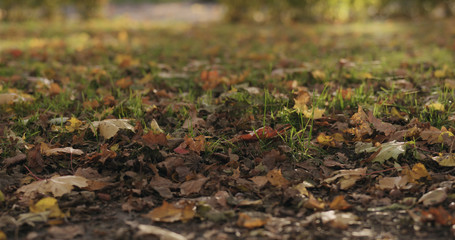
[(57, 185), (152, 139), (384, 152), (75, 124)]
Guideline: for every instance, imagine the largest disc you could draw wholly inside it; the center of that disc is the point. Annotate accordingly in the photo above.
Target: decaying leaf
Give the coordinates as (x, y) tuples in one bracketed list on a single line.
[(392, 182), (57, 185), (109, 127), (66, 232), (386, 151), (339, 203), (56, 151), (192, 186), (347, 177), (170, 213), (417, 172), (275, 178), (152, 139), (447, 160), (434, 197), (314, 204)]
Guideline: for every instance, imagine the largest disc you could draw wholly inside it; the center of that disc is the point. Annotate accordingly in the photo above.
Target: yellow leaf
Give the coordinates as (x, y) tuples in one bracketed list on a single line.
[(314, 113), (417, 172), (325, 140), (365, 75), (2, 235), (155, 128), (318, 75), (436, 106), (439, 73), (75, 124), (47, 204)]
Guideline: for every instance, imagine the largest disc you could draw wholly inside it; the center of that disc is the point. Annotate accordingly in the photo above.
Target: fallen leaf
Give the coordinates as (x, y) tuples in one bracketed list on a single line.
[(124, 82), (55, 89), (192, 186), (439, 215), (447, 160), (388, 183), (161, 233), (339, 203), (57, 185), (313, 203), (347, 177), (251, 220), (47, 204), (57, 151), (170, 213), (153, 139), (384, 152), (275, 178), (417, 172), (436, 106), (434, 197), (66, 232), (109, 127), (318, 75), (325, 140), (260, 181), (75, 124)]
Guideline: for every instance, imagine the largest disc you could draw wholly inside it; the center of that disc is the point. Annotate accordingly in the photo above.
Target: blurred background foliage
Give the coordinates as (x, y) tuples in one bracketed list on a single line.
[(282, 11)]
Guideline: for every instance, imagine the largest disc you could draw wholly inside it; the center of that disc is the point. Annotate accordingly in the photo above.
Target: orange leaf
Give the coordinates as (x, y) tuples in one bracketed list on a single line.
[(276, 178), (170, 213), (250, 222), (339, 203), (54, 89), (152, 140), (124, 82)]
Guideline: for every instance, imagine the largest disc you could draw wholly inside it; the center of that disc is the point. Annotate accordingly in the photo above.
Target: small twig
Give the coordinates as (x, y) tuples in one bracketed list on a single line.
[(32, 174)]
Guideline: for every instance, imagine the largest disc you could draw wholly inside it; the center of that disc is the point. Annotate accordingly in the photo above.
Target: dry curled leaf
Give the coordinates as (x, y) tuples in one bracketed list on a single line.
[(57, 185)]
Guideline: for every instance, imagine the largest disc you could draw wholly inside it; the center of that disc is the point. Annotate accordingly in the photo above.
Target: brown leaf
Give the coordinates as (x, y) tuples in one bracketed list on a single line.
[(66, 232), (339, 203), (152, 139), (275, 178), (54, 89), (381, 126), (34, 159), (192, 186), (170, 213), (260, 181), (347, 177), (392, 182), (124, 82), (313, 203)]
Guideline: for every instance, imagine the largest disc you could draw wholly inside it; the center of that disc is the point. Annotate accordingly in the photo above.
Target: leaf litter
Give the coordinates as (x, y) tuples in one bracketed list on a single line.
[(323, 142)]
